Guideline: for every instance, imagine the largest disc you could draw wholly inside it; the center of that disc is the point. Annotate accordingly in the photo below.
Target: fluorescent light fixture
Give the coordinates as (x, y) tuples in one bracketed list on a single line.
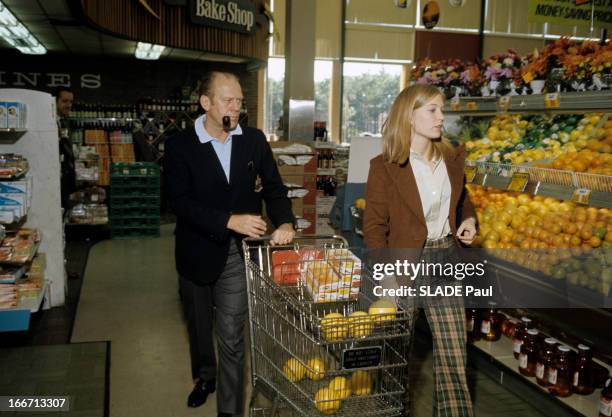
[(148, 50), (17, 35)]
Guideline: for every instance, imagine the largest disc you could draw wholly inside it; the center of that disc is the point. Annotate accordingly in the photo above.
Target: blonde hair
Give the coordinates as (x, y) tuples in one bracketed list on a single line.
[(397, 129)]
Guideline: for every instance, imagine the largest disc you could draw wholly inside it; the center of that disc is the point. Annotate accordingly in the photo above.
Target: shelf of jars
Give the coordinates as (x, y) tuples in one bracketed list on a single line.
[(564, 102)]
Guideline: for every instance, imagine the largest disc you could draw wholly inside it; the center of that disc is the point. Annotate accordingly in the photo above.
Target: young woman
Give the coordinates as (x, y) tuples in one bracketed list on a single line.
[(416, 198)]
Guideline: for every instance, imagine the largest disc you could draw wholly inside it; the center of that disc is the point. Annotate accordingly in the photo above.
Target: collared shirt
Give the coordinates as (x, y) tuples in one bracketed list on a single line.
[(223, 150), (435, 191)]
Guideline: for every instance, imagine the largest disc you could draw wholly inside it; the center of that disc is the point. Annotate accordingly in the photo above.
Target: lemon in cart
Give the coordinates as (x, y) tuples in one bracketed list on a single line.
[(382, 311), (327, 401), (361, 383), (360, 324), (341, 386), (334, 327), (316, 369), (294, 370)]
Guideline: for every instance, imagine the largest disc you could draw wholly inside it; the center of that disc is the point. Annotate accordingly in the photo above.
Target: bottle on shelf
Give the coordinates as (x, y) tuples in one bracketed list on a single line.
[(520, 335), (472, 324), (508, 327), (545, 361), (559, 376), (490, 327), (332, 159), (583, 371), (605, 402), (529, 352)]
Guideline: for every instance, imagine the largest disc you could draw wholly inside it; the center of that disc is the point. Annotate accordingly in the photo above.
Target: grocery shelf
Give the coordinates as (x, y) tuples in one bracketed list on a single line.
[(18, 318), (570, 102), (547, 182), (501, 352), (11, 135)]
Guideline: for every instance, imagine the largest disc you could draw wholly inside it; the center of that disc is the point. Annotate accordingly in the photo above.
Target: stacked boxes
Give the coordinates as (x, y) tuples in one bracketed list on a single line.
[(15, 199), (13, 115), (134, 200), (338, 278), (297, 165)]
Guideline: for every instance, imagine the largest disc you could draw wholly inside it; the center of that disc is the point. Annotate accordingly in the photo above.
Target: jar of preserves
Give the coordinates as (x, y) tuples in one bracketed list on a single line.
[(529, 354), (545, 360), (520, 335), (605, 403), (583, 372), (472, 324), (490, 326), (559, 376), (508, 327)]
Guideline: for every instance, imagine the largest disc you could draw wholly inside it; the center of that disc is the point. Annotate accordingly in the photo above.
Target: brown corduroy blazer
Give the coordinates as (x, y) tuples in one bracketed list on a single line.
[(394, 215)]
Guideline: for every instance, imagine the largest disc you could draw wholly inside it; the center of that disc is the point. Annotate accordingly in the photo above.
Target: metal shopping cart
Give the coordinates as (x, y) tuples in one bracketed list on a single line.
[(315, 348)]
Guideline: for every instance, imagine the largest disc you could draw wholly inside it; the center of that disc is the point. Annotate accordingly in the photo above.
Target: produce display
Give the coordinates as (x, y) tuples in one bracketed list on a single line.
[(521, 139), (565, 235)]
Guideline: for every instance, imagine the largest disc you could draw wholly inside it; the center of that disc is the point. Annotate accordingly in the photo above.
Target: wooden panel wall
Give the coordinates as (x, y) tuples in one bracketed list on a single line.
[(128, 19)]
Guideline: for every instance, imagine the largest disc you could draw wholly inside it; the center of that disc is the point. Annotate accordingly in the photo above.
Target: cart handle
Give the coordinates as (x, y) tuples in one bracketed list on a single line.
[(296, 240)]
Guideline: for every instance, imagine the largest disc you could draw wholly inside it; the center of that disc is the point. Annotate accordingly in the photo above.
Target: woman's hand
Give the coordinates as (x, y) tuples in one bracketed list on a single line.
[(467, 231)]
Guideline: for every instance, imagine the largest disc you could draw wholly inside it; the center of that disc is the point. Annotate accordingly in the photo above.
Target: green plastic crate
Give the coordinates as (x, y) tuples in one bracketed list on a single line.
[(135, 169), (134, 212), (120, 180), (134, 201), (136, 222), (134, 232)]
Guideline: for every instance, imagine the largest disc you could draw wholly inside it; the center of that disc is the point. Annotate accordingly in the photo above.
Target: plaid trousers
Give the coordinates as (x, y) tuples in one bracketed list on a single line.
[(447, 323)]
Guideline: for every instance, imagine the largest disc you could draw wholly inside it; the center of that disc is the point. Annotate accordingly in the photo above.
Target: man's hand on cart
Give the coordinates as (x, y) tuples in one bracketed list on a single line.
[(283, 235), (247, 224)]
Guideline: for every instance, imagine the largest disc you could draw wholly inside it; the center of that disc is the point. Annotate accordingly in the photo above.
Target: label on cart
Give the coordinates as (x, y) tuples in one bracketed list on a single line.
[(518, 182), (552, 100), (504, 103), (581, 196), (523, 361), (605, 407), (540, 368), (552, 376), (361, 357), (470, 174), (485, 327)]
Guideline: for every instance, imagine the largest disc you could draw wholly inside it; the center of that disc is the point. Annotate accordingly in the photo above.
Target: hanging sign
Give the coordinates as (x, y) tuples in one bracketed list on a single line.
[(574, 13), (431, 14), (234, 15)]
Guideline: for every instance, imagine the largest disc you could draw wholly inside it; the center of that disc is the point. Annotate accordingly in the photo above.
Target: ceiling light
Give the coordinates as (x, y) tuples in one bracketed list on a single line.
[(148, 51), (17, 35)]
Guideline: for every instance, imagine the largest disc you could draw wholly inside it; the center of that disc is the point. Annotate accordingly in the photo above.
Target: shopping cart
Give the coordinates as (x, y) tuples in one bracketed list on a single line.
[(351, 363)]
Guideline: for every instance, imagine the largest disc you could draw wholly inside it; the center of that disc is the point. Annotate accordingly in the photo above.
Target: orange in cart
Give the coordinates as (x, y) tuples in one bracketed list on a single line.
[(341, 386), (360, 324), (334, 326), (294, 370), (382, 311), (326, 401), (316, 369), (361, 383)]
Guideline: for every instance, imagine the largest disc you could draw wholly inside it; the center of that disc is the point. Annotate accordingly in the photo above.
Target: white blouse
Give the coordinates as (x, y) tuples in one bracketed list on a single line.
[(435, 192)]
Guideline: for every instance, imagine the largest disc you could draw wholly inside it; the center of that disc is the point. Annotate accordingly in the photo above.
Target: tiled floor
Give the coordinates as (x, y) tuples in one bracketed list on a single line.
[(77, 370), (130, 298)]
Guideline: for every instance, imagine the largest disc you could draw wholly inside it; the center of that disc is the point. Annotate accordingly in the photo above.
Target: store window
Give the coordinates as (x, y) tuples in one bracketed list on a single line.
[(274, 94), (369, 91), (322, 80)]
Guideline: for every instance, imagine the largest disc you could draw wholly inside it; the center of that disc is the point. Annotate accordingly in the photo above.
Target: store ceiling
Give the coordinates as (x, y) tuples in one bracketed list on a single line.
[(55, 26)]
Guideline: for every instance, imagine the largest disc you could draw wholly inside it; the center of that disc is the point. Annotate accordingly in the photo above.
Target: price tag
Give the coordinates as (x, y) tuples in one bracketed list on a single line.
[(581, 196), (470, 173), (472, 105), (552, 100), (519, 182), (504, 103), (366, 357), (455, 103)]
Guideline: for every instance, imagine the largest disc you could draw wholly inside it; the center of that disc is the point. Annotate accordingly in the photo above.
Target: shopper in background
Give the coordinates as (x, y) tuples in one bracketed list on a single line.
[(417, 186), (64, 97), (217, 175)]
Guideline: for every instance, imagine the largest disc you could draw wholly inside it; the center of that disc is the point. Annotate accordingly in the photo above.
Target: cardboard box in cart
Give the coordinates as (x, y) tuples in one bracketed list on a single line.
[(336, 279)]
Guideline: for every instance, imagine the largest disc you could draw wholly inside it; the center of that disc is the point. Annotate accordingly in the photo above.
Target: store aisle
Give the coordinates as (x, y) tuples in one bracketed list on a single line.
[(130, 297)]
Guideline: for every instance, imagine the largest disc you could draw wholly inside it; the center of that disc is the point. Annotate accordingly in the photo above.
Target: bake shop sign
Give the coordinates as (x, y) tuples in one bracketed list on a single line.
[(234, 15)]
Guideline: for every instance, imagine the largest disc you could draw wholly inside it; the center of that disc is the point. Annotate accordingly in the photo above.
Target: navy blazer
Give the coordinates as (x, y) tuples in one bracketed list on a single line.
[(203, 199)]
